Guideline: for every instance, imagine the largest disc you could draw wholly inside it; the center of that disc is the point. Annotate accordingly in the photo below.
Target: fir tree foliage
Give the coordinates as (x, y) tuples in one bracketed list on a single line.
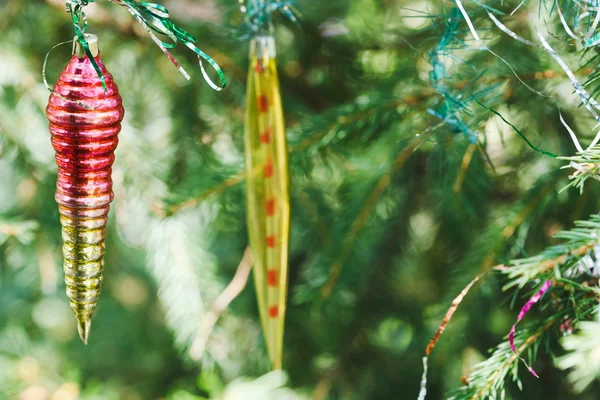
[(413, 128)]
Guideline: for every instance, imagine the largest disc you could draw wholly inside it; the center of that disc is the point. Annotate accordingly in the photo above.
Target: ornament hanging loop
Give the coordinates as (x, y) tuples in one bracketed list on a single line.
[(80, 51)]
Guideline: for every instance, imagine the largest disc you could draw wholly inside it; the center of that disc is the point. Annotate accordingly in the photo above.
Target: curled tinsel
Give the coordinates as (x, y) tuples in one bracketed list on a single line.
[(154, 18)]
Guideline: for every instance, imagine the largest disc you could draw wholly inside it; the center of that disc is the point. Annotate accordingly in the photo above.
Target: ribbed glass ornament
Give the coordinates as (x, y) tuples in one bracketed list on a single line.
[(84, 123)]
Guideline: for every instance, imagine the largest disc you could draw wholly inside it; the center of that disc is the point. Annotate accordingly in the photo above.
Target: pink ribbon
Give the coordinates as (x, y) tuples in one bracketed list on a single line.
[(511, 336)]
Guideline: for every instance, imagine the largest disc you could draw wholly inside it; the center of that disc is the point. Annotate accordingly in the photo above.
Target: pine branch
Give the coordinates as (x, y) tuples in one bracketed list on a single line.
[(359, 222), (488, 378), (582, 356), (23, 231), (311, 138), (178, 262), (579, 241), (562, 263), (586, 165)]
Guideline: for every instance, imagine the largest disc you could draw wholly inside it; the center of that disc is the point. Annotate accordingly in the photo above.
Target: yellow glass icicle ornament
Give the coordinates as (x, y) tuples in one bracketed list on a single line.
[(268, 200)]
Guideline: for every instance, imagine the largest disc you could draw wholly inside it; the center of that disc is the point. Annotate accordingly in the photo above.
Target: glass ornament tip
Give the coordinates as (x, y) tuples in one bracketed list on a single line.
[(84, 326)]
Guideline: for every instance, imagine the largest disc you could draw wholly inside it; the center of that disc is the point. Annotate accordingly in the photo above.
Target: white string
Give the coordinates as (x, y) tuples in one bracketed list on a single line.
[(423, 391), (510, 33), (585, 97), (594, 25), (566, 26), (466, 16), (583, 94), (573, 136), (519, 6)]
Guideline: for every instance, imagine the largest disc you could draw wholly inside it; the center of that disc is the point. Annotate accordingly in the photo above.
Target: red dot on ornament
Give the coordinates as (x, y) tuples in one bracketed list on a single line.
[(272, 277), (271, 241), (263, 103), (269, 170), (266, 137), (270, 207), (259, 67), (273, 311)]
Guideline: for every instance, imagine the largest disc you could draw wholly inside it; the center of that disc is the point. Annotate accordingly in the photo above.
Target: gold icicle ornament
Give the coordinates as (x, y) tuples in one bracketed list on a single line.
[(268, 199)]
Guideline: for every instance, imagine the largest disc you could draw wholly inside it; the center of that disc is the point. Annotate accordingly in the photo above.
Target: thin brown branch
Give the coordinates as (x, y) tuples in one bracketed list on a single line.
[(231, 292), (549, 265), (509, 230), (441, 328), (453, 307), (362, 217), (464, 167), (192, 202), (311, 208)]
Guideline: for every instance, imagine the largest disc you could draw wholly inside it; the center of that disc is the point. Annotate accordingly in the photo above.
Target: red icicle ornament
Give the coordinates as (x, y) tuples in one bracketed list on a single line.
[(84, 123)]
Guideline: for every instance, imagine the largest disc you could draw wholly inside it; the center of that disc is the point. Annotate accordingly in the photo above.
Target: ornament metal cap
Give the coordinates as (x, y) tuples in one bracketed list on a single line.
[(92, 41), (263, 47)]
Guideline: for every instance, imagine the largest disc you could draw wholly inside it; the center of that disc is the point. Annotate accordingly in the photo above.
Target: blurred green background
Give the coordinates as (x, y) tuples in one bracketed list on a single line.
[(403, 204)]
